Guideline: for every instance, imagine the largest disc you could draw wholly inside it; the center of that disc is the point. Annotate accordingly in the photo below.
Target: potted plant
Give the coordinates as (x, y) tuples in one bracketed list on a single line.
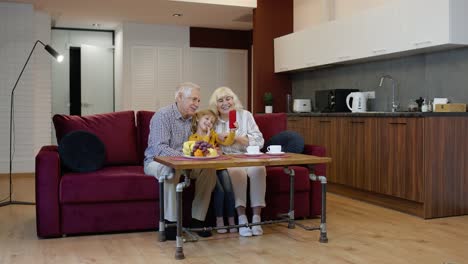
[(268, 101)]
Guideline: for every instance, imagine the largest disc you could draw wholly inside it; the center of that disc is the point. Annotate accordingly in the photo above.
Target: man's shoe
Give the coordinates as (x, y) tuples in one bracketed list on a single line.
[(200, 224), (171, 231)]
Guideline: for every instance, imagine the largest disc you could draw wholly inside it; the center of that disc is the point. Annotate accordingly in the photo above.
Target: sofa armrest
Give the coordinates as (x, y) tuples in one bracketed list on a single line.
[(314, 150), (47, 192)]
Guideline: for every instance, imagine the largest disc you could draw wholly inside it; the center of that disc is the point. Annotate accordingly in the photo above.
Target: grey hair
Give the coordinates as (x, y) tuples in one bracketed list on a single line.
[(185, 89), (223, 92)]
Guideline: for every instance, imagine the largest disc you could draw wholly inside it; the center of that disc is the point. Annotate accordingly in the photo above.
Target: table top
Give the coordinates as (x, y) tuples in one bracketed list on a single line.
[(240, 160)]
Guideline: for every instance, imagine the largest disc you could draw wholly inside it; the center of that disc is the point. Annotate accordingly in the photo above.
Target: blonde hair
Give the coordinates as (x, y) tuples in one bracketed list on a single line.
[(199, 115), (223, 92)]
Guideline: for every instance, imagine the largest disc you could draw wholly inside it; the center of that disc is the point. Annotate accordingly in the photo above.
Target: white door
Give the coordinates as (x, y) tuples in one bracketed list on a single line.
[(97, 79)]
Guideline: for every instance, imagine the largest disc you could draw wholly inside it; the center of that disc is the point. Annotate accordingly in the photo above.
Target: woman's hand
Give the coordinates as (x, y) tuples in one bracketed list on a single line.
[(243, 140)]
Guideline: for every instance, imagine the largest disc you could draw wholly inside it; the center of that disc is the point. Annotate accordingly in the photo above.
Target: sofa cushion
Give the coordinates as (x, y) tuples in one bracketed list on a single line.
[(290, 141), (278, 181), (116, 130), (81, 151), (271, 124), (114, 183)]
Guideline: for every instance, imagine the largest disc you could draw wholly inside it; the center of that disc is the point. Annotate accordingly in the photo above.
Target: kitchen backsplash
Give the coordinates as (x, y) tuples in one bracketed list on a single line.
[(437, 74)]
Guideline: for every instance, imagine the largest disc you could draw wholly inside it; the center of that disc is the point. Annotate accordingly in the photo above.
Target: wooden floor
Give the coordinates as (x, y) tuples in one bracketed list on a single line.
[(358, 233)]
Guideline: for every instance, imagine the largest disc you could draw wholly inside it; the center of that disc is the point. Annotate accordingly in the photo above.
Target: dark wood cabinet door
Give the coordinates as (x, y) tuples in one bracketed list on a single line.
[(401, 157), (358, 153), (326, 134), (301, 125)]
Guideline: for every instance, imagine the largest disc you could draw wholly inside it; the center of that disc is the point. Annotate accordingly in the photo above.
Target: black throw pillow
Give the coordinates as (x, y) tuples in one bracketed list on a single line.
[(82, 151), (290, 141)]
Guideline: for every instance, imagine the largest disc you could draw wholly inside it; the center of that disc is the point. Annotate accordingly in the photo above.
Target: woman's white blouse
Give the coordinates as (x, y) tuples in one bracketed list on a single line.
[(247, 126)]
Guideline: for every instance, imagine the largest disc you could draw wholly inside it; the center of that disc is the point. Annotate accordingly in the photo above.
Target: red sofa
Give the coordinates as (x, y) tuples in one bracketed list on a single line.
[(120, 197)]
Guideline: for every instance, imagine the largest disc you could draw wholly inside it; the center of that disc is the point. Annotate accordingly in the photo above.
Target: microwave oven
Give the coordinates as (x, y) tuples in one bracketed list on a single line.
[(334, 100)]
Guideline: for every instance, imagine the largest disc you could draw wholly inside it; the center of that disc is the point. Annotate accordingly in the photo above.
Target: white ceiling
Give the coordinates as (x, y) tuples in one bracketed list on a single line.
[(110, 13)]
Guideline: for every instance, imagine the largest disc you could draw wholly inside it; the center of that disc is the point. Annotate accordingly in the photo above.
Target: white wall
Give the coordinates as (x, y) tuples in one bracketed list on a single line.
[(118, 66), (21, 27), (156, 58), (312, 12), (146, 35)]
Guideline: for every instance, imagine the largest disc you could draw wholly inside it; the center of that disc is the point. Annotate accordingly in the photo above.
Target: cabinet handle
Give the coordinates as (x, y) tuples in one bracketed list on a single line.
[(358, 122), (397, 123), (324, 121), (379, 51), (422, 43)]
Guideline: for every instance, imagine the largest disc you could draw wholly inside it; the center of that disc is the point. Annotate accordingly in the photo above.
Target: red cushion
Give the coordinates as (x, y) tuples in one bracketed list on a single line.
[(278, 181), (116, 130), (143, 127), (118, 183), (271, 124)]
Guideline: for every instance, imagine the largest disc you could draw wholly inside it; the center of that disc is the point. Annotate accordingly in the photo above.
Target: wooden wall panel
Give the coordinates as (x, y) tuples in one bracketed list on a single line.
[(220, 38), (272, 19)]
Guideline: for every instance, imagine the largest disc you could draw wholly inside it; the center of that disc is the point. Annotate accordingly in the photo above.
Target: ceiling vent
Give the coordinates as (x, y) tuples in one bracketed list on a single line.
[(248, 18)]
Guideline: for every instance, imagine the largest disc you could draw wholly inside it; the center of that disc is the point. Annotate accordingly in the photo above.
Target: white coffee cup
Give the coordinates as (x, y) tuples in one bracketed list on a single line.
[(253, 149), (274, 148)]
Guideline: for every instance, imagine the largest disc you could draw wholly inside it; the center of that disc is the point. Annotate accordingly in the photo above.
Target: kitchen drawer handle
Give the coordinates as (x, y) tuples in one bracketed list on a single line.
[(358, 122), (422, 43), (324, 121), (397, 123), (379, 51)]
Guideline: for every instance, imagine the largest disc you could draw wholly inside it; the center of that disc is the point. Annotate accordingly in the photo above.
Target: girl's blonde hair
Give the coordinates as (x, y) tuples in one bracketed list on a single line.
[(223, 92), (198, 115)]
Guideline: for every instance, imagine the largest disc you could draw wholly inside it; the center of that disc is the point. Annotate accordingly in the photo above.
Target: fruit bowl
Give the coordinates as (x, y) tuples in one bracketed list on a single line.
[(200, 149)]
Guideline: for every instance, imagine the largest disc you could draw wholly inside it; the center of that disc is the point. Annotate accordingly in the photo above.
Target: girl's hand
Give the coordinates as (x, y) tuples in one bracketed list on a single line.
[(222, 136), (243, 140)]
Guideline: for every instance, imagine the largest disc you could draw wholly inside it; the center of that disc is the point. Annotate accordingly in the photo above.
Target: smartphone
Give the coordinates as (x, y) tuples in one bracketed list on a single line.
[(232, 119)]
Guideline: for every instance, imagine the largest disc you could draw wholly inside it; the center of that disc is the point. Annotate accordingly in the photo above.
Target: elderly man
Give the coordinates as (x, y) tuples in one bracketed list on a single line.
[(169, 128)]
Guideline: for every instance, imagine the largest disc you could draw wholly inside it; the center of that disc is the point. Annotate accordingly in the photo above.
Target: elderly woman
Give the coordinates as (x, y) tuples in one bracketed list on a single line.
[(222, 101)]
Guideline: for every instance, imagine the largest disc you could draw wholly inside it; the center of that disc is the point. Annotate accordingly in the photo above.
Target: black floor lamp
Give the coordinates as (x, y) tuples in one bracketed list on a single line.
[(59, 58)]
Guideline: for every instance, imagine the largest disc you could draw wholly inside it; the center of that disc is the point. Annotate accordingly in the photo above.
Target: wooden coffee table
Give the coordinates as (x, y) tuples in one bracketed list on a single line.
[(182, 166)]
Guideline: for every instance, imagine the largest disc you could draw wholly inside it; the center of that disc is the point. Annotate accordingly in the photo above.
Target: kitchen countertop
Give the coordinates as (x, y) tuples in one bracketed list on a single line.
[(383, 114)]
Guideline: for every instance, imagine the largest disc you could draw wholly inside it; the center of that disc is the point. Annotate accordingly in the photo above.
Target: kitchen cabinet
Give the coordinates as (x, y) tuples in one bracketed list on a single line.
[(358, 164), (289, 52), (398, 28), (412, 164), (400, 158), (326, 133), (301, 125)]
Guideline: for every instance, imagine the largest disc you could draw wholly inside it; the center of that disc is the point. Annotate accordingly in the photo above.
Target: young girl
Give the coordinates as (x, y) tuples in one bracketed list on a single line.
[(202, 129)]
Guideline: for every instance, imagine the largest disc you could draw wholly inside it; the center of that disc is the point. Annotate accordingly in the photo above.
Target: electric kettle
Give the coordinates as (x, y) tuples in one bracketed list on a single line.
[(359, 104)]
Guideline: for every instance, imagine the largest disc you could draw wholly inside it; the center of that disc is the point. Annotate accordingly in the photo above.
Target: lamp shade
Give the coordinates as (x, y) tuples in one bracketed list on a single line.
[(54, 53)]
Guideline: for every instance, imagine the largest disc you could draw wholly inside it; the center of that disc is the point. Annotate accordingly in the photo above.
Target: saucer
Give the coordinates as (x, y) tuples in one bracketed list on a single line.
[(254, 154), (275, 153)]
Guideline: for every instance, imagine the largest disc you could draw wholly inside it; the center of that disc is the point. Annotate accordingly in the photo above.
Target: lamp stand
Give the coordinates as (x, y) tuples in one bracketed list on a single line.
[(8, 200)]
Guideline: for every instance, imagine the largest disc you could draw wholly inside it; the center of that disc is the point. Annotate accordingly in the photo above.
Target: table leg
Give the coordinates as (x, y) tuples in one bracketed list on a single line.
[(179, 254), (162, 226), (323, 216), (290, 172)]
